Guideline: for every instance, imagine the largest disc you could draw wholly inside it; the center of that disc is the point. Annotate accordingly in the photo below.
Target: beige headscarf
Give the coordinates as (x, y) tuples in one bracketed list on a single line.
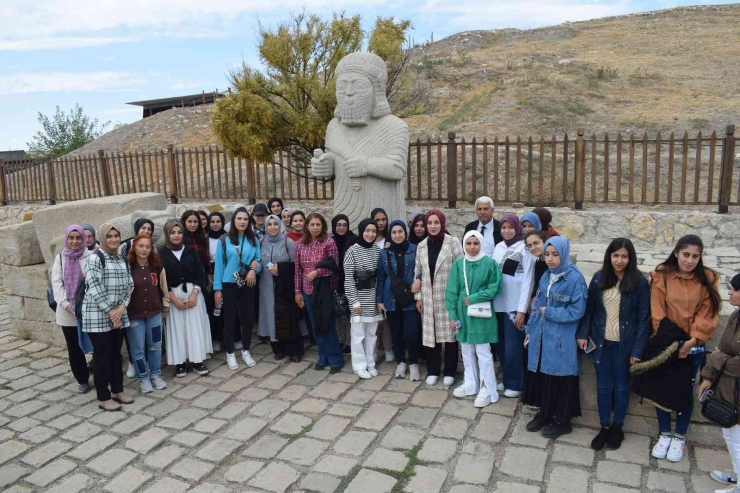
[(104, 230)]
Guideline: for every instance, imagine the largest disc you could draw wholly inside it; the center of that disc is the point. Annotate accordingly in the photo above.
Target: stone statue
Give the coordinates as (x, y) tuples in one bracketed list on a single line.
[(366, 146)]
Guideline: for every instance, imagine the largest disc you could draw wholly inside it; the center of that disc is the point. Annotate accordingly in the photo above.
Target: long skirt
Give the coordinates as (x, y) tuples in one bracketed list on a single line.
[(557, 397), (188, 331)]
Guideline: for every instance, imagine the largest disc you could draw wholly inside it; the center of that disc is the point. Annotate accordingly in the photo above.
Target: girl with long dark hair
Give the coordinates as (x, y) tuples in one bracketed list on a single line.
[(617, 320), (417, 229), (234, 277), (684, 292), (203, 215), (194, 235)]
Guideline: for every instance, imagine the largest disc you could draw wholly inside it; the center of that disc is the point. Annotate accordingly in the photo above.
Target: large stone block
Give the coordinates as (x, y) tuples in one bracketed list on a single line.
[(47, 332), (38, 310), (126, 223), (19, 246), (51, 222), (15, 307), (30, 281)]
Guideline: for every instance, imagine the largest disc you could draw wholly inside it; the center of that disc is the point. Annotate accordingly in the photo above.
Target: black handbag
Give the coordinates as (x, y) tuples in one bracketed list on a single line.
[(399, 287), (50, 299), (365, 279), (341, 305), (716, 410)]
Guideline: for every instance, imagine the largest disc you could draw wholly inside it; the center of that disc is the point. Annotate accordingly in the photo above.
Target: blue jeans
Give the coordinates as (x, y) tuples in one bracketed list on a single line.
[(330, 351), (510, 350), (683, 418), (612, 378), (146, 335)]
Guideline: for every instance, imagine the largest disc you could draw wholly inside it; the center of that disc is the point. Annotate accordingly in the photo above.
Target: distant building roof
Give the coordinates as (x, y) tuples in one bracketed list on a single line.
[(153, 106), (13, 155)]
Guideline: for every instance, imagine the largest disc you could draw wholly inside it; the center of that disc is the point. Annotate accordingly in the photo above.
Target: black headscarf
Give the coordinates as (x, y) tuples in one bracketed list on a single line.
[(404, 245), (413, 239), (141, 222), (219, 232), (344, 241), (361, 230), (384, 232), (273, 200)]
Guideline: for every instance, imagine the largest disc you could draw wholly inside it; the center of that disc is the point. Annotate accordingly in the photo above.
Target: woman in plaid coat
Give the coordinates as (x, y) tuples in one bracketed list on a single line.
[(434, 258)]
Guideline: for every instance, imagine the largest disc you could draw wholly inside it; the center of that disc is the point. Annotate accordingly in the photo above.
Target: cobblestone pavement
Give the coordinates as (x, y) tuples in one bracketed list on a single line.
[(286, 427)]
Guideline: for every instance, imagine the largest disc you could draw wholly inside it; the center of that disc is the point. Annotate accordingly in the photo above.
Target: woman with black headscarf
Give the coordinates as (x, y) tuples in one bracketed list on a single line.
[(379, 216), (275, 206), (90, 241), (141, 226), (545, 220), (216, 222), (344, 238)]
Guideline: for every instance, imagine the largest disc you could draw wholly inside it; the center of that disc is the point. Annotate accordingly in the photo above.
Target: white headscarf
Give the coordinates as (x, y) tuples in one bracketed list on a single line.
[(481, 254)]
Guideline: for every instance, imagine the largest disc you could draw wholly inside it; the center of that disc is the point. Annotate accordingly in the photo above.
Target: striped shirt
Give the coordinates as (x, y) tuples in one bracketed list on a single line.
[(308, 257), (361, 259), (107, 288)]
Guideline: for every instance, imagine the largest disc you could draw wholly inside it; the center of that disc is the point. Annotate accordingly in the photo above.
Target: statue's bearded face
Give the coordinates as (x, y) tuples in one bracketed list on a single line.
[(355, 99)]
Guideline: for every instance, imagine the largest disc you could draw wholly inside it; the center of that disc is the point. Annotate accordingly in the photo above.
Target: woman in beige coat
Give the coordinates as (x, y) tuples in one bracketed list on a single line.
[(434, 258)]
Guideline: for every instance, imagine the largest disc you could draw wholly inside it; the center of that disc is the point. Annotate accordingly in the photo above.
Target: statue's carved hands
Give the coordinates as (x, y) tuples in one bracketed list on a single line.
[(356, 167), (322, 164)]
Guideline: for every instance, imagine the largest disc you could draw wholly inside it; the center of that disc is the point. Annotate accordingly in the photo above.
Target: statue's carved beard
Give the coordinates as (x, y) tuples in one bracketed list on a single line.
[(356, 115)]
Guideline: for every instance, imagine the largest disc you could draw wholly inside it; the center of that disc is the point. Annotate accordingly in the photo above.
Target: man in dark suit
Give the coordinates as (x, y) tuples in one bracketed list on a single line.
[(486, 224)]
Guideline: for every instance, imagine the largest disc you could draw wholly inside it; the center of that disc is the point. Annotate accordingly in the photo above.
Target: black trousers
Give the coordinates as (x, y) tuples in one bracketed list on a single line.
[(434, 359), (241, 301), (107, 369), (77, 361), (291, 348), (216, 323)]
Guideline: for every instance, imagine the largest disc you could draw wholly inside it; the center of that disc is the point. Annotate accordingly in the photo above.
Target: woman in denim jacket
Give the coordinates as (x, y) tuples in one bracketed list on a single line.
[(552, 377), (404, 320), (618, 322)]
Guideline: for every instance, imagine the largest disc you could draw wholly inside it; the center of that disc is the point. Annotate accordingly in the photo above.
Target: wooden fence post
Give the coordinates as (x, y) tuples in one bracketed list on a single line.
[(172, 169), (52, 183), (3, 186), (579, 180), (251, 189), (728, 161), (452, 171), (107, 184)]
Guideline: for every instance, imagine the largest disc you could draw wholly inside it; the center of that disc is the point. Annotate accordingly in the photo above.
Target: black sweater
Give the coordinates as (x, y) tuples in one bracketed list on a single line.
[(188, 269)]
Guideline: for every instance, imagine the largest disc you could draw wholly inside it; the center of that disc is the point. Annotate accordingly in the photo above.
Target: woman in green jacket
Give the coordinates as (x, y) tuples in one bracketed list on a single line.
[(474, 279)]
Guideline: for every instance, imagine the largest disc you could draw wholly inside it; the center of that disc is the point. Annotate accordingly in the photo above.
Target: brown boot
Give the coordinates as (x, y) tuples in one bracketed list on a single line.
[(123, 398), (109, 405)]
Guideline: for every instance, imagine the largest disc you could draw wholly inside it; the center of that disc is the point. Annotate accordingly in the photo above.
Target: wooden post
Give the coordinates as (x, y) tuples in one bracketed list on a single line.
[(251, 190), (172, 169), (580, 171), (52, 183), (3, 186), (728, 161), (451, 171), (105, 172)]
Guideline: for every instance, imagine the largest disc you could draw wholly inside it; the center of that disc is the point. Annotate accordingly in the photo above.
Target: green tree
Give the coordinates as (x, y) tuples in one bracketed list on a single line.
[(63, 133), (288, 103)]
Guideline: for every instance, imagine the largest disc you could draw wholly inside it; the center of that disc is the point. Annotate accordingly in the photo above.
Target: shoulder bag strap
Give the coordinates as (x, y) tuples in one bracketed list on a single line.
[(718, 375), (465, 276)]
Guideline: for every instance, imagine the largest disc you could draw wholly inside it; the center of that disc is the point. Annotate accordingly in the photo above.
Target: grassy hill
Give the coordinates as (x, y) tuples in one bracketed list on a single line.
[(670, 70)]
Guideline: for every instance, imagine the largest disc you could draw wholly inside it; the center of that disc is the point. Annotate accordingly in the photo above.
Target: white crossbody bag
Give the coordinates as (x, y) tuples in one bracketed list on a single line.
[(478, 310)]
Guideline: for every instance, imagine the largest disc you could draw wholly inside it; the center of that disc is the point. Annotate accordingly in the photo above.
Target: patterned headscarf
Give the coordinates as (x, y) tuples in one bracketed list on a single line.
[(168, 227), (71, 268)]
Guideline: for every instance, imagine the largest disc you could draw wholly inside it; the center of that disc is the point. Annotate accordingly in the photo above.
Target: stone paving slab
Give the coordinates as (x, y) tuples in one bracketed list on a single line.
[(287, 427)]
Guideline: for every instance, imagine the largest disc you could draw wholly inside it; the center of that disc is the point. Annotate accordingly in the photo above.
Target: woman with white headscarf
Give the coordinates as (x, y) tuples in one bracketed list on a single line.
[(279, 315), (475, 280)]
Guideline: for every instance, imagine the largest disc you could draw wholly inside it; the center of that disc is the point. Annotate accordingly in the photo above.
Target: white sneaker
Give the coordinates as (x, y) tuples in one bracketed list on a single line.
[(448, 381), (724, 477), (483, 398), (660, 450), (432, 379), (372, 371), (216, 346), (158, 382), (131, 372), (414, 375), (231, 361), (363, 374), (248, 360), (500, 387), (459, 391), (389, 357), (238, 345), (146, 386), (401, 370), (512, 393), (675, 451)]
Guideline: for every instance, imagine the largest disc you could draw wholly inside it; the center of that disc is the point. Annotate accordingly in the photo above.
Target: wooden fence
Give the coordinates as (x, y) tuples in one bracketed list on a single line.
[(679, 170)]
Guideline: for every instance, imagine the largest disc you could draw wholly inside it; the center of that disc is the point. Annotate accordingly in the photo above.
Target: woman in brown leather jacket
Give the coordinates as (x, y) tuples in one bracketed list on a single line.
[(728, 350)]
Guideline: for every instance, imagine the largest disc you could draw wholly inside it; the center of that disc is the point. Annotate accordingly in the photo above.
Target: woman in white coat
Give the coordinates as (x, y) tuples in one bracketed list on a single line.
[(66, 275)]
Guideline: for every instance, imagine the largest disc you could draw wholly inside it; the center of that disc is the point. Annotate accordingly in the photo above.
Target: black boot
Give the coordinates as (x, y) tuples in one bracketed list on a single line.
[(615, 438), (538, 422), (600, 440), (555, 429)]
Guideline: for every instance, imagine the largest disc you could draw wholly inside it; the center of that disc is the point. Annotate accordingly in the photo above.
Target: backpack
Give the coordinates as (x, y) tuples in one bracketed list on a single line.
[(82, 287)]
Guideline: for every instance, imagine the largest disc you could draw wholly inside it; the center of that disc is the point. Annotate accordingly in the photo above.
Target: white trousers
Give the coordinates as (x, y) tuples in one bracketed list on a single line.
[(363, 337), (478, 365), (732, 437)]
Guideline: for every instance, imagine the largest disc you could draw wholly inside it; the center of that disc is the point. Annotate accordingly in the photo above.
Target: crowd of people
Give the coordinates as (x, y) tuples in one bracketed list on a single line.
[(411, 293)]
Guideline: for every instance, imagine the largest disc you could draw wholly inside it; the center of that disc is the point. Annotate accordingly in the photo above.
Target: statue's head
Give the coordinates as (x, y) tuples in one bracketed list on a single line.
[(361, 81)]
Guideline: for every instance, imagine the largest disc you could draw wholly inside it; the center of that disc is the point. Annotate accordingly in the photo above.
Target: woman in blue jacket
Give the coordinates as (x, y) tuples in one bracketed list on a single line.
[(618, 322), (400, 256), (235, 275), (552, 377)]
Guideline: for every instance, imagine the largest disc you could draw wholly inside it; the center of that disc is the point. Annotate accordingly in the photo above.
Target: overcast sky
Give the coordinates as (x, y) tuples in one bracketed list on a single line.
[(105, 53)]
